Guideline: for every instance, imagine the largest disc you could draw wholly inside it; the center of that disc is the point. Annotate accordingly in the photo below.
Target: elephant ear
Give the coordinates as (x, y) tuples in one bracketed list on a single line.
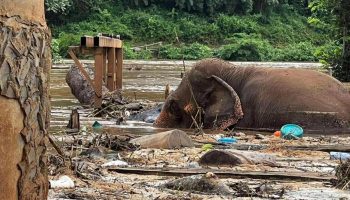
[(223, 106)]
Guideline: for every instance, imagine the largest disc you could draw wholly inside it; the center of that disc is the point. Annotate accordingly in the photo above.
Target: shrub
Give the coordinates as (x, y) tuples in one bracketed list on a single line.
[(244, 49), (148, 27), (194, 51), (329, 53), (303, 51), (235, 24), (129, 53)]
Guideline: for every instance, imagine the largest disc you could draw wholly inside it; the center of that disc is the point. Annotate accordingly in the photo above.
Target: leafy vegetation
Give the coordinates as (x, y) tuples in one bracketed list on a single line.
[(334, 17), (241, 30)]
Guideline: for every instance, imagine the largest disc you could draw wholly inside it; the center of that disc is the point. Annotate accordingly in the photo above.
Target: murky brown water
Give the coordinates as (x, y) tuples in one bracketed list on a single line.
[(147, 83)]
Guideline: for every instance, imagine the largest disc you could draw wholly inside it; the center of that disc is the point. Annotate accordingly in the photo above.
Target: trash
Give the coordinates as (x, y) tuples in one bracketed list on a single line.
[(339, 156), (259, 136), (62, 182), (164, 140), (239, 134), (264, 190), (208, 183), (97, 125), (218, 136), (193, 165), (94, 152), (292, 131), (115, 163), (342, 173), (207, 147), (83, 130), (227, 140), (235, 157), (277, 134)]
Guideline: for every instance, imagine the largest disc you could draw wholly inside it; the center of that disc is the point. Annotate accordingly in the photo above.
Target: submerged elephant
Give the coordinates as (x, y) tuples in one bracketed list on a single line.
[(218, 94)]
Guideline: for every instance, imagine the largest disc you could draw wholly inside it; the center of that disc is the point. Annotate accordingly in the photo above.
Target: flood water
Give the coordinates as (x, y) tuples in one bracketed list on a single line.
[(146, 82), (141, 79)]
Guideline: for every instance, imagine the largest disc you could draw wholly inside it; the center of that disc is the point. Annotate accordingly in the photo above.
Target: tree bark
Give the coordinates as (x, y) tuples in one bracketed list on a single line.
[(25, 63)]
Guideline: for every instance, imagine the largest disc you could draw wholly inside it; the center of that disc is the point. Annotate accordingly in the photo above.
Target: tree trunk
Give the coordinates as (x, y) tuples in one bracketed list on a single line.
[(346, 41), (25, 63)]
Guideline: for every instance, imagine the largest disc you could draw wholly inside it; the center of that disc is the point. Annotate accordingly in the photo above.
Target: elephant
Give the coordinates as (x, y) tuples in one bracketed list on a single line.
[(217, 94)]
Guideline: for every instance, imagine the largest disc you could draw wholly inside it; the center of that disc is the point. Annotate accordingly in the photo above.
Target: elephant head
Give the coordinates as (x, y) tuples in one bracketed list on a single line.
[(203, 97)]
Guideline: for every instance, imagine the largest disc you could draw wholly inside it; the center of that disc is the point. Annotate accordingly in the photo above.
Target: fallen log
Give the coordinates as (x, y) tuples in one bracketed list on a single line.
[(271, 175), (256, 147), (234, 158)]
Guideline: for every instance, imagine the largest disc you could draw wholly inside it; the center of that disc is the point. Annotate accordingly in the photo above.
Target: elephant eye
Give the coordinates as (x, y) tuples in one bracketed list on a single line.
[(174, 108)]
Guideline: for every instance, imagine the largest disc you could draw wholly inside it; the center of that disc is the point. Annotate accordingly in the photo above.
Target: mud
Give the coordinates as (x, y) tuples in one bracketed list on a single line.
[(147, 84)]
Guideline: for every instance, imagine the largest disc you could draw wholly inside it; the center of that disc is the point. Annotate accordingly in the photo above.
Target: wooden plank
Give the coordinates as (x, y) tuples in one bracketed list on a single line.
[(99, 63), (295, 176), (101, 41), (111, 69), (119, 70), (104, 67), (87, 41)]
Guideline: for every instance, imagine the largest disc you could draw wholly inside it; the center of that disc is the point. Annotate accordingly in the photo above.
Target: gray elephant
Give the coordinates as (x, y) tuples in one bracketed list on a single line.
[(219, 94)]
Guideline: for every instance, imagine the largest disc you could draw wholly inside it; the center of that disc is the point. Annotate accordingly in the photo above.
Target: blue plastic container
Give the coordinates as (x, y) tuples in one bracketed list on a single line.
[(292, 131), (227, 140)]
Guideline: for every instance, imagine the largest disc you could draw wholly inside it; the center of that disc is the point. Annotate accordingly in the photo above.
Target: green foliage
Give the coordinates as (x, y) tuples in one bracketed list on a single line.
[(245, 49), (129, 53), (55, 46), (149, 27), (334, 16), (282, 35), (194, 51), (57, 6), (235, 24), (329, 54), (303, 51), (64, 41)]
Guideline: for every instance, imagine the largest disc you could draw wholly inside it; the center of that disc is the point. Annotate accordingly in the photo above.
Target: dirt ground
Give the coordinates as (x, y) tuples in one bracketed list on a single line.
[(87, 152)]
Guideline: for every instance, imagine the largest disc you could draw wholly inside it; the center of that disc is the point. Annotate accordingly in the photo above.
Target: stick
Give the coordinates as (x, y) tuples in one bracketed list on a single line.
[(297, 176), (59, 151)]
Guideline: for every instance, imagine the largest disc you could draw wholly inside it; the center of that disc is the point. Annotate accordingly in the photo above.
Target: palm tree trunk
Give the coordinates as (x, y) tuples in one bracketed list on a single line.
[(25, 63)]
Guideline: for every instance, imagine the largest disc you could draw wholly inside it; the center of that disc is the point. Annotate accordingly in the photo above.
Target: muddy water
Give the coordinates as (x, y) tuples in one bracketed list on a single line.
[(141, 79), (145, 82)]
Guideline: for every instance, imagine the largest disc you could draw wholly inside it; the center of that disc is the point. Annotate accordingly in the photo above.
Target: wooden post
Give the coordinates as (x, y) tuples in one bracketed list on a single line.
[(111, 69), (119, 81), (99, 63), (104, 68), (74, 121)]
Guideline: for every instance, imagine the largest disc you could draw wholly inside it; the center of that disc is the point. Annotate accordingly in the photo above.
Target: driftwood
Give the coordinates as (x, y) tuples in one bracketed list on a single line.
[(295, 176), (233, 158), (324, 148), (165, 140), (74, 121), (208, 183)]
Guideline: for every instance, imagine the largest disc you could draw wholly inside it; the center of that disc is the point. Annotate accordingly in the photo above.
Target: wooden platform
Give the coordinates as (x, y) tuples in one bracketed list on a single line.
[(108, 53)]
